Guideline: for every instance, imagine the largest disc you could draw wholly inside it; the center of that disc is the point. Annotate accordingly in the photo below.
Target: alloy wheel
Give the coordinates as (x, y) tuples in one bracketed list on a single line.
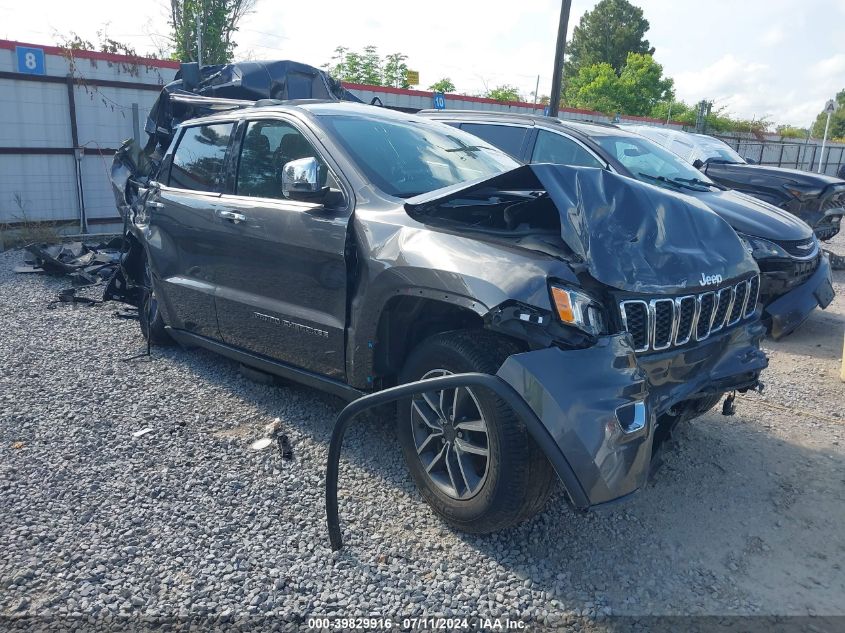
[(451, 438)]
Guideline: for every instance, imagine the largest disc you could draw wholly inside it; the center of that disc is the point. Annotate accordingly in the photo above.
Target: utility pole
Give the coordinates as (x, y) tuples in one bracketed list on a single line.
[(554, 101), (199, 35), (536, 88)]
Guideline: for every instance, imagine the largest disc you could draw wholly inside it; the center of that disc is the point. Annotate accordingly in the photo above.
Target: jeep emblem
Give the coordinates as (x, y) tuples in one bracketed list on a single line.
[(710, 280)]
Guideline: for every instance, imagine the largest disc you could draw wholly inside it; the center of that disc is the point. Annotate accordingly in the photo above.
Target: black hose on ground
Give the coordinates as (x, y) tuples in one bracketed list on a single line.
[(502, 389)]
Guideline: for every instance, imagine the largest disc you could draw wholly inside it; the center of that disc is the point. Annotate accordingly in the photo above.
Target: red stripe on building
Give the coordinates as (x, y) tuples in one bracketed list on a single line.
[(94, 55)]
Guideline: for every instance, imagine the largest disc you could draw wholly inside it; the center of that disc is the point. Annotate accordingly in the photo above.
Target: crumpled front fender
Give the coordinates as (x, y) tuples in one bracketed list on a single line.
[(594, 403)]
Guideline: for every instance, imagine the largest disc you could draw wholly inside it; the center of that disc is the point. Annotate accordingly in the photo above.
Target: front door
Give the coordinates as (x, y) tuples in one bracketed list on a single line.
[(282, 286)]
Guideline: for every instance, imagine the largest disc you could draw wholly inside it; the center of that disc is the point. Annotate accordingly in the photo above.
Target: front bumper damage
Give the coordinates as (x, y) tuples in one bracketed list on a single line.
[(787, 312), (604, 405), (594, 412)]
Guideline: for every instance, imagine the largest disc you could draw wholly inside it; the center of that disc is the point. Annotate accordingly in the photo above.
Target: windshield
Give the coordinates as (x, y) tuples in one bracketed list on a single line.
[(717, 151), (650, 162), (406, 158)]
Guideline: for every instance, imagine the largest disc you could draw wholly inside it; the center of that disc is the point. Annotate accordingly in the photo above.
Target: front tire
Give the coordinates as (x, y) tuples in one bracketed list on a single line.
[(470, 456)]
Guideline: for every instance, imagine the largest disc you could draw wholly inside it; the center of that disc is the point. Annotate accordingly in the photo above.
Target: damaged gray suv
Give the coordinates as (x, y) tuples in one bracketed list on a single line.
[(353, 248)]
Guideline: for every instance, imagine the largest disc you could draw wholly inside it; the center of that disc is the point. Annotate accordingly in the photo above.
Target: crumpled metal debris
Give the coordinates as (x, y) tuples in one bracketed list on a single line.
[(86, 264)]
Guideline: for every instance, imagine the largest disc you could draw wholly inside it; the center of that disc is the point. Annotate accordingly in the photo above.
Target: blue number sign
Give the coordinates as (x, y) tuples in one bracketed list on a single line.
[(439, 101), (30, 60)]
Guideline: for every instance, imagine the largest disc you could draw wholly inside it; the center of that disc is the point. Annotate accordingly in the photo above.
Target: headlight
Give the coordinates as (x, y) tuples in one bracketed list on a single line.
[(802, 193), (761, 249), (578, 309)]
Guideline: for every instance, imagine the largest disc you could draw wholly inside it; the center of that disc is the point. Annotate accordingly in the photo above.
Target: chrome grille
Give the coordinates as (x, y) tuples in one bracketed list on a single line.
[(706, 311), (685, 308), (738, 308), (725, 297), (663, 317), (799, 248), (753, 295), (635, 319), (659, 324)]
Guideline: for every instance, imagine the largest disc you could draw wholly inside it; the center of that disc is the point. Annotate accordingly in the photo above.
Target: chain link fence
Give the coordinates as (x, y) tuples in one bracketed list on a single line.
[(797, 155)]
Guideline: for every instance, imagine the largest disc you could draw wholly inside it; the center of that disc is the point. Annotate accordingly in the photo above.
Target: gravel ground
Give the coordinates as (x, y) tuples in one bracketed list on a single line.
[(188, 522)]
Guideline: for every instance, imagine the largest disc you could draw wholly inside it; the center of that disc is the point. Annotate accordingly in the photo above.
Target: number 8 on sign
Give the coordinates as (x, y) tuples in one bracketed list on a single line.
[(30, 60)]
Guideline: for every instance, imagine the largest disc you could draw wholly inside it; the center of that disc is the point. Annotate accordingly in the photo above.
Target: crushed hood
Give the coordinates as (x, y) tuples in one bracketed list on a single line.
[(629, 235)]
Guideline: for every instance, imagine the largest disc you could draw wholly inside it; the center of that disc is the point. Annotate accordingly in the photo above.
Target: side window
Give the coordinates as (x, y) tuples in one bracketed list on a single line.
[(266, 148), (198, 160), (557, 149), (505, 137)]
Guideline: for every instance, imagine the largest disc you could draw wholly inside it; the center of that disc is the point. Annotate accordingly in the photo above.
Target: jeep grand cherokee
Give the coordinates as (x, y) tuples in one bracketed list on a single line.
[(353, 248)]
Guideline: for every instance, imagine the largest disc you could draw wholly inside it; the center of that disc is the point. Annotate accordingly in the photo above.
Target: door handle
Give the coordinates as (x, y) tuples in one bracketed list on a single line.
[(156, 205), (232, 216)]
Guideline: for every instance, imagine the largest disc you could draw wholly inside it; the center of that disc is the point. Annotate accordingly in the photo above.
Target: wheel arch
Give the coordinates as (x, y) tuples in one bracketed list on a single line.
[(408, 318)]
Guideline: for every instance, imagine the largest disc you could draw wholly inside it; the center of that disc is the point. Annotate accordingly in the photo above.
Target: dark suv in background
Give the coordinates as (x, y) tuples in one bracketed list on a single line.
[(796, 274), (818, 199), (353, 248)]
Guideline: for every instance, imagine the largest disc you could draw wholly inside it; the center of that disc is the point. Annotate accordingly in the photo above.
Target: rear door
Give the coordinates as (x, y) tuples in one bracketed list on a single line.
[(283, 281), (185, 240), (511, 139), (559, 149)]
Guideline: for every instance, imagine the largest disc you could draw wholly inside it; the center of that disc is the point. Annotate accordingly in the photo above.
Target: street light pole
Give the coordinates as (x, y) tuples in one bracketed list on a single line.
[(198, 17), (554, 95), (824, 139)]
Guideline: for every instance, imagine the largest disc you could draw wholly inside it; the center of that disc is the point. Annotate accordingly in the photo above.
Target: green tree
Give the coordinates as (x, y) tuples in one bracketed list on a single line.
[(642, 85), (371, 72), (837, 120), (595, 87), (607, 34), (638, 90), (790, 131), (394, 71), (218, 24), (674, 111), (444, 85), (368, 67), (719, 120), (503, 93)]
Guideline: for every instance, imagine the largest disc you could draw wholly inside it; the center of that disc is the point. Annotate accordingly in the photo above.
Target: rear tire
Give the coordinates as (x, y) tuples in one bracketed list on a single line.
[(153, 327), (478, 481)]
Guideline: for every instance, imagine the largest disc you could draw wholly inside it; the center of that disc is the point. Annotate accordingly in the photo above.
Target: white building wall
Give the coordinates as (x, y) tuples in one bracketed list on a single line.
[(45, 185), (35, 114)]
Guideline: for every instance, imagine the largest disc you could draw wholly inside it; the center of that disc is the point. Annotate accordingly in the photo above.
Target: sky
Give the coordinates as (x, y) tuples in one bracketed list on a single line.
[(779, 59)]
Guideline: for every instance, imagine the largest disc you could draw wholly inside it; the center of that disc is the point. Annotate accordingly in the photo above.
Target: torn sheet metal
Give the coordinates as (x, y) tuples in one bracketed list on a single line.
[(628, 234), (86, 264)]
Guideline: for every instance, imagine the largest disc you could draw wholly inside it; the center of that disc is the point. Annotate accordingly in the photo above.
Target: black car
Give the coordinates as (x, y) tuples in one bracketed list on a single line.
[(817, 199), (353, 248), (796, 274)]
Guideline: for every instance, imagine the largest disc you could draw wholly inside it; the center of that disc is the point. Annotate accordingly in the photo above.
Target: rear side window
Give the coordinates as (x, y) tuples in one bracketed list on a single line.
[(507, 138), (559, 150), (198, 160)]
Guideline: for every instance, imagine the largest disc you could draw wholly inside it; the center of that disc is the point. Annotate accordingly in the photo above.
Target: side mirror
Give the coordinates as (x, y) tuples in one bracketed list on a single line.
[(750, 161), (698, 164), (301, 179)]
